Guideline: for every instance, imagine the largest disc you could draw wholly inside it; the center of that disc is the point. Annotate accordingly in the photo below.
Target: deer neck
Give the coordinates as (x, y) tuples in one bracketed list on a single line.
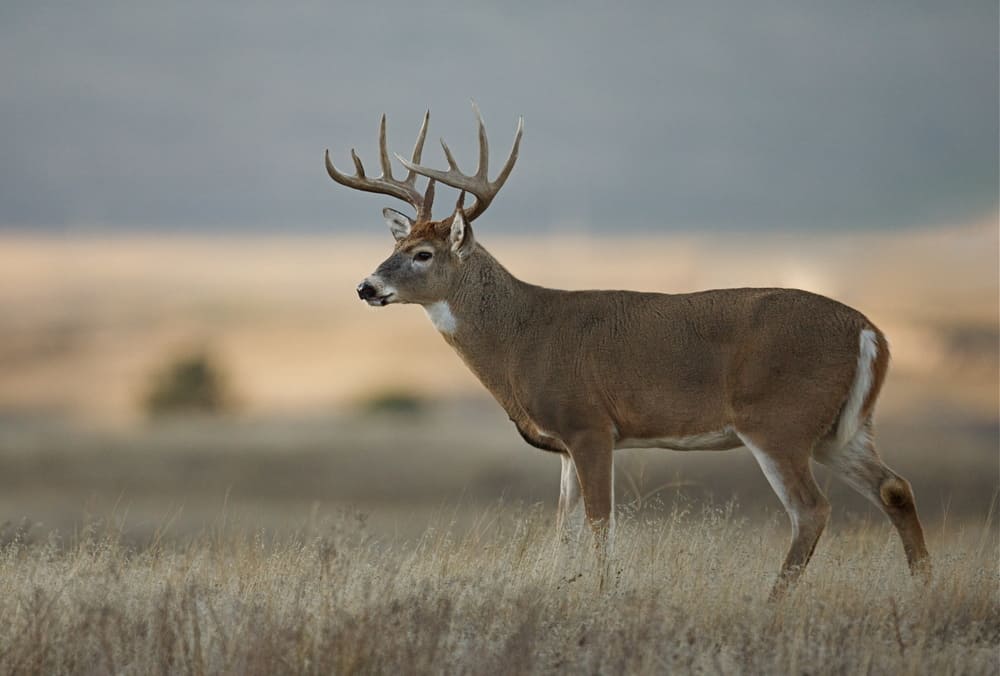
[(480, 319)]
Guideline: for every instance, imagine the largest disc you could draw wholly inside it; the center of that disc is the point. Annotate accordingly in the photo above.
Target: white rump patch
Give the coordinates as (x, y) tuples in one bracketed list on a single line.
[(441, 316), (850, 416)]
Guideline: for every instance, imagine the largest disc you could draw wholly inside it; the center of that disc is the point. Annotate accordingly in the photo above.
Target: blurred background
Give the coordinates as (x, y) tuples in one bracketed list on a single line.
[(179, 331)]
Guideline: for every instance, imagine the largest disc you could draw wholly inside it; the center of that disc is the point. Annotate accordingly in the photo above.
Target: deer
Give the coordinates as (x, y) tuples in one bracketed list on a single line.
[(793, 376)]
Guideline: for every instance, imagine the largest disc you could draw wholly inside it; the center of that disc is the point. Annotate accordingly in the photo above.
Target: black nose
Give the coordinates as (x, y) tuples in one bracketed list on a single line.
[(366, 291)]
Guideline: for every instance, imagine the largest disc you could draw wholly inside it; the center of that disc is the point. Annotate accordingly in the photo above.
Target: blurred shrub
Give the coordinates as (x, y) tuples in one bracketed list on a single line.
[(396, 402), (192, 383), (20, 534)]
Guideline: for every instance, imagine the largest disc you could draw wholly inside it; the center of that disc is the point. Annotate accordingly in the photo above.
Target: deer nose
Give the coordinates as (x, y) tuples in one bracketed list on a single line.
[(366, 290)]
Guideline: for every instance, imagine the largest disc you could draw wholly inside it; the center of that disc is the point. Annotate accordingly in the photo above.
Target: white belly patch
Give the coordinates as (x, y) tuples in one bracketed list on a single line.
[(719, 440)]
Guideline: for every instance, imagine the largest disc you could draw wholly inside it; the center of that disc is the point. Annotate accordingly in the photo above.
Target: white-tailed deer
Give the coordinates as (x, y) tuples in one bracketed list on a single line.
[(791, 375)]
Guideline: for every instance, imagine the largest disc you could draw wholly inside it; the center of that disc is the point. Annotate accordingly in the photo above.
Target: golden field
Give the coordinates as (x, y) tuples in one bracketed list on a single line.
[(308, 531), (502, 596)]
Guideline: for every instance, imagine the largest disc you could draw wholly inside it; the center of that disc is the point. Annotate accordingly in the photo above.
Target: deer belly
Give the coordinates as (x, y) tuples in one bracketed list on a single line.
[(718, 440)]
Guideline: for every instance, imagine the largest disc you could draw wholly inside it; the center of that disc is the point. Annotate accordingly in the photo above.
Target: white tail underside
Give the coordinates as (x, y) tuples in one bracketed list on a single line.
[(850, 417)]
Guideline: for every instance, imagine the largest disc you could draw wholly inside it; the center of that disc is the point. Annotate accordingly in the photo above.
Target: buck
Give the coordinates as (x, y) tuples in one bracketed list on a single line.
[(791, 375)]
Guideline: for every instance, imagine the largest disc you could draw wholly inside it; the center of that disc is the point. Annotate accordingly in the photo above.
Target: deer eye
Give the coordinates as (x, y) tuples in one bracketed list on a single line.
[(423, 256)]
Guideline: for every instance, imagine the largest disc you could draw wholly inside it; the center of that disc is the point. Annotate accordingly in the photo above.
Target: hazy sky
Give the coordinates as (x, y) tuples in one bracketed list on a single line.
[(659, 115)]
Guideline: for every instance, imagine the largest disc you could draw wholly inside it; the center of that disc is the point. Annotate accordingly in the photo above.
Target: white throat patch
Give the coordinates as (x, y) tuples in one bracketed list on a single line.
[(440, 314)]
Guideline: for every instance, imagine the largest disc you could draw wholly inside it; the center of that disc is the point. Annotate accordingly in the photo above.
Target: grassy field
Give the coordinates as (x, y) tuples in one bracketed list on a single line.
[(499, 596), (401, 467)]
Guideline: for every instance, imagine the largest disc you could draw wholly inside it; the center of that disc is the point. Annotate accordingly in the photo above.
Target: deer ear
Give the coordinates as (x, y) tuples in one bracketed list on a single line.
[(461, 238), (399, 224)]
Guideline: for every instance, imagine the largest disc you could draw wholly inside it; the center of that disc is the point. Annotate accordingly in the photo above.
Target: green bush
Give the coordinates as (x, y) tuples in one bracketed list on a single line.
[(191, 383), (397, 402)]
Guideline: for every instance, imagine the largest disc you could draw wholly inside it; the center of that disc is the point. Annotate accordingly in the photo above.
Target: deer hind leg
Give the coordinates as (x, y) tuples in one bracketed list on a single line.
[(858, 464), (790, 476), (591, 454), (569, 516)]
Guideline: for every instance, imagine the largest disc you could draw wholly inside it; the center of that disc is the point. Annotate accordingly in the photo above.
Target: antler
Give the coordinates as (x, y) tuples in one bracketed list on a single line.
[(385, 184), (479, 183)]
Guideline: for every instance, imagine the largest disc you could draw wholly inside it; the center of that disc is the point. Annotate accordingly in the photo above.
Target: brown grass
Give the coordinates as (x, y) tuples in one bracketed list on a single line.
[(500, 597)]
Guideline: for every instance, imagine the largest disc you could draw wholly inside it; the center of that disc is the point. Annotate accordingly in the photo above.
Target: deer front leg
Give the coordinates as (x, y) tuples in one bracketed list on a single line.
[(567, 516), (591, 453)]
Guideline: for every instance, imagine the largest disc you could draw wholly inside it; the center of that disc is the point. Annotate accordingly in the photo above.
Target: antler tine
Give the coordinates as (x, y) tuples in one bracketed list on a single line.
[(383, 153), (358, 167), (385, 184), (418, 149), (424, 213), (482, 171), (512, 158), (448, 156), (478, 184)]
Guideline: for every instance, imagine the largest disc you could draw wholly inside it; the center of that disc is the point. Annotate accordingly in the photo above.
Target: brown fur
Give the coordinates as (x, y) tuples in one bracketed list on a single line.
[(655, 365)]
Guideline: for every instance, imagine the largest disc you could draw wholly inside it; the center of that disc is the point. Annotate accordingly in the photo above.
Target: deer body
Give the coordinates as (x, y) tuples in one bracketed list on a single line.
[(651, 367), (791, 375)]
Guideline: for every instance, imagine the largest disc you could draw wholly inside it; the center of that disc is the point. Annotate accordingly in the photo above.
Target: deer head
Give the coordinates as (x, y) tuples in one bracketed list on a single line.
[(427, 261)]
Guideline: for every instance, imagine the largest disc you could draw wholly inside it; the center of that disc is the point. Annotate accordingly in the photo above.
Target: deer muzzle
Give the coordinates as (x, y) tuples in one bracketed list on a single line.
[(374, 293)]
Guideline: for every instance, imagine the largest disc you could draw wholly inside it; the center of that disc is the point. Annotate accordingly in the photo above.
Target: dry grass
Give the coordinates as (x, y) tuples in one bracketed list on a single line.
[(499, 597)]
